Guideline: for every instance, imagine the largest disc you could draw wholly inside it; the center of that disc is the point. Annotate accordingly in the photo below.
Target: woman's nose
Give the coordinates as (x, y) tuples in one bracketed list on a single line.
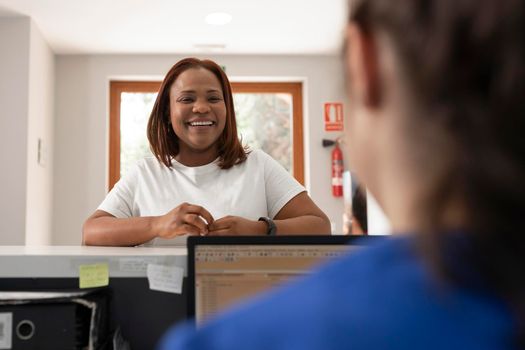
[(201, 107)]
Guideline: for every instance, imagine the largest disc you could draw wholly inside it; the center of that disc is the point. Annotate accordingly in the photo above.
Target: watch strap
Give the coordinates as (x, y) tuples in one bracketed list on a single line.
[(272, 229)]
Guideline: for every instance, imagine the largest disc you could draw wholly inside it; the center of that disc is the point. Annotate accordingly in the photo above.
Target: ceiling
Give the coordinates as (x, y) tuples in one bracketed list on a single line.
[(176, 26)]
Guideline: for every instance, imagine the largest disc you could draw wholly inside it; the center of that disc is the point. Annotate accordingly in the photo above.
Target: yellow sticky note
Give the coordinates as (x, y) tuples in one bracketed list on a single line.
[(95, 275)]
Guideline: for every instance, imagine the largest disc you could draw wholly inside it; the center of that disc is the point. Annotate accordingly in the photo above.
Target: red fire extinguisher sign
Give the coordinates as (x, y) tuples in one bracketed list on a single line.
[(333, 116), (337, 171)]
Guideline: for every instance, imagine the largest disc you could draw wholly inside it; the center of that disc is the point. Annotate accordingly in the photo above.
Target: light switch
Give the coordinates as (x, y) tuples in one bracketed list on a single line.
[(42, 153)]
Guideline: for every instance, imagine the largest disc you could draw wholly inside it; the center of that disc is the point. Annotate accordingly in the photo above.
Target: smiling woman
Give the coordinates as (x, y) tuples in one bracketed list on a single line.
[(193, 91), (201, 180), (198, 116)]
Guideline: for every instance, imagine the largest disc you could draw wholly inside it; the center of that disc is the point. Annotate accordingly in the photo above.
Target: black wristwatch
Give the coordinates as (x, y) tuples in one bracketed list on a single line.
[(272, 229)]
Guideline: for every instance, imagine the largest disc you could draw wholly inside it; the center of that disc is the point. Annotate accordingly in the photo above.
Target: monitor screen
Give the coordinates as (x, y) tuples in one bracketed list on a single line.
[(225, 274)]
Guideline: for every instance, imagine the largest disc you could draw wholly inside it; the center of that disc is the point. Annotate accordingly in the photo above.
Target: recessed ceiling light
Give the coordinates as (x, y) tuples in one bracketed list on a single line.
[(218, 18)]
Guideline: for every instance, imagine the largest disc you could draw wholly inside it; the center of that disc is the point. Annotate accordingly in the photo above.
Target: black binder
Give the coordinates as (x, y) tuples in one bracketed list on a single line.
[(76, 319)]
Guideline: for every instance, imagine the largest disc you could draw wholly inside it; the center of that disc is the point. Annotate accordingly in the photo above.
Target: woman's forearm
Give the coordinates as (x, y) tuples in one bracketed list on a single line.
[(303, 225), (111, 231)]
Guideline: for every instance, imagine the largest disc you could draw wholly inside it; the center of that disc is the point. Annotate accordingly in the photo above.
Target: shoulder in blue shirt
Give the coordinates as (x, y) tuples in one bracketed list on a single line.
[(382, 297)]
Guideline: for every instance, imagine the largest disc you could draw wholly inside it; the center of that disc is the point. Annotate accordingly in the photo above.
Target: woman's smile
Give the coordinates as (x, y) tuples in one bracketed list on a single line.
[(201, 125)]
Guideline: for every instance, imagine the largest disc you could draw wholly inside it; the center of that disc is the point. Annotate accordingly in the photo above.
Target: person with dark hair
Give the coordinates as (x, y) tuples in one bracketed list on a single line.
[(435, 132), (202, 181), (359, 214)]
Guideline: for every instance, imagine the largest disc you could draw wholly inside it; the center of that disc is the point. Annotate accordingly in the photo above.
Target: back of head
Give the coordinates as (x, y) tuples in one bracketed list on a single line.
[(464, 61)]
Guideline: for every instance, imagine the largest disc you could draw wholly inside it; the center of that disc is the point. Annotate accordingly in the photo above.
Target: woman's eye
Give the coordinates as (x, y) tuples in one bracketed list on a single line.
[(186, 99), (215, 99)]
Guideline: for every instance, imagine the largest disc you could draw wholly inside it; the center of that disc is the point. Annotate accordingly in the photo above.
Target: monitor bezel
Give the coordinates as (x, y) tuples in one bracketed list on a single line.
[(194, 241)]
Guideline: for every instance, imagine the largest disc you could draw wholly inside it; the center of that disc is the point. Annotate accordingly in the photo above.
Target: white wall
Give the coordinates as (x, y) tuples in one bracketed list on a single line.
[(378, 222), (81, 125), (14, 81), (40, 127), (26, 114)]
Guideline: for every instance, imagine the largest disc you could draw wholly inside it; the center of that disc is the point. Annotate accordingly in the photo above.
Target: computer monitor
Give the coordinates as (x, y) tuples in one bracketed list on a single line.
[(223, 271)]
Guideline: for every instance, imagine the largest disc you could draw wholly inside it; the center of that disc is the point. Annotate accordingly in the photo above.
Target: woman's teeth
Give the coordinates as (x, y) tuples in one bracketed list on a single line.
[(203, 123)]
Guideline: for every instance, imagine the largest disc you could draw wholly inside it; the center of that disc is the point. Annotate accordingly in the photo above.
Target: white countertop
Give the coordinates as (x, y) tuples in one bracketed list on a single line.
[(75, 250), (64, 261)]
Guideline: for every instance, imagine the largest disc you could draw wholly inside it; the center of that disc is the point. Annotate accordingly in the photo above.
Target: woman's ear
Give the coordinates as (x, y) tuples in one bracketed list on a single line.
[(362, 64)]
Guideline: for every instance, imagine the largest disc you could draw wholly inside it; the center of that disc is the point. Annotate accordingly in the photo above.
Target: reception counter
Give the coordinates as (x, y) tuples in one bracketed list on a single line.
[(142, 314)]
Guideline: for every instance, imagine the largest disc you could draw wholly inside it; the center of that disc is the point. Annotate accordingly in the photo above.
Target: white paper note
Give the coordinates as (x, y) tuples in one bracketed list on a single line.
[(165, 278), (134, 264)]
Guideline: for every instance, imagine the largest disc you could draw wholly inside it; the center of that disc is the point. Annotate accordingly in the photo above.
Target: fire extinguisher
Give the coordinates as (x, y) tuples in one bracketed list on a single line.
[(337, 171)]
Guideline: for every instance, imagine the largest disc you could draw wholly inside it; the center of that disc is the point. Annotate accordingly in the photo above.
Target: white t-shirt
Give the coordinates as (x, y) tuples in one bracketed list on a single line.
[(257, 187)]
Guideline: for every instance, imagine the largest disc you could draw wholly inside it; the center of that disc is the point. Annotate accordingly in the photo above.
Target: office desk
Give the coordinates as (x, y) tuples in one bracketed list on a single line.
[(142, 314)]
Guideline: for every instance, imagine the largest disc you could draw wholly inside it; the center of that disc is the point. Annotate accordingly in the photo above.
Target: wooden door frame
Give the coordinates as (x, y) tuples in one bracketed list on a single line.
[(115, 90), (296, 90)]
